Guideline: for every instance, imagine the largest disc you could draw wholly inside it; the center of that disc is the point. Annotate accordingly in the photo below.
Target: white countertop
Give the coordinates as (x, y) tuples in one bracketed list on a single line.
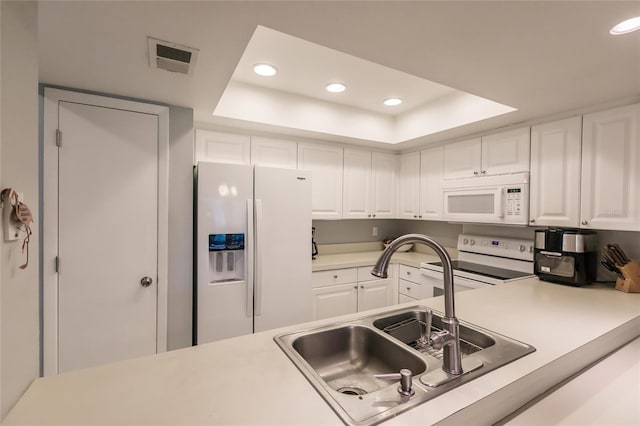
[(368, 258), (605, 394), (249, 380)]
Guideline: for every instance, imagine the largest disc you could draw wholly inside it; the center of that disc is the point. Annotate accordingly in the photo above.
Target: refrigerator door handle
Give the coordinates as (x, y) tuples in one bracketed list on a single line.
[(249, 259), (259, 251)]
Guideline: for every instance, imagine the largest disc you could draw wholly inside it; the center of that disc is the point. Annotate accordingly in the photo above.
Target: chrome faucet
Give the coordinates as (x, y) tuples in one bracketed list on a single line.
[(449, 338)]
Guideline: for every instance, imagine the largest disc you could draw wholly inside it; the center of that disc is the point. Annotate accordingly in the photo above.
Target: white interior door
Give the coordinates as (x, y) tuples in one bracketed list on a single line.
[(111, 256)]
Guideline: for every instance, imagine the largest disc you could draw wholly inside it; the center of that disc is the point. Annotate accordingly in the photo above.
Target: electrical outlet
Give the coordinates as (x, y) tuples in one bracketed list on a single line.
[(374, 232)]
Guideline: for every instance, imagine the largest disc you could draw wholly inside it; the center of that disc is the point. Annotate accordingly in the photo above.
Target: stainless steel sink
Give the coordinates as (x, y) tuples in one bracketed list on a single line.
[(342, 360), (348, 357)]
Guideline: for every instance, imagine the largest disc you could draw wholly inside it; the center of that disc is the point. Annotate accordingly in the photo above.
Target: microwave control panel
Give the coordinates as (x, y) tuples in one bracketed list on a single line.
[(514, 201)]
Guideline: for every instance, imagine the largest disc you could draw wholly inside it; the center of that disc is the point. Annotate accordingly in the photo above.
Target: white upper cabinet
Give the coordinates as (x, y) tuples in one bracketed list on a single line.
[(506, 152), (500, 153), (420, 184), (463, 159), (431, 175), (221, 147), (555, 173), (357, 184), (384, 188), (409, 186), (610, 196), (325, 163), (369, 185), (271, 152)]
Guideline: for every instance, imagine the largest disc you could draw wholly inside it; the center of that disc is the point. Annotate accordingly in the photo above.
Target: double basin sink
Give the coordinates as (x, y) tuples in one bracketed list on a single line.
[(350, 363)]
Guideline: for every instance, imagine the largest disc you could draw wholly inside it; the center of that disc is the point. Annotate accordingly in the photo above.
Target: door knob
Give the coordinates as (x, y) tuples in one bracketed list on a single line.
[(146, 281)]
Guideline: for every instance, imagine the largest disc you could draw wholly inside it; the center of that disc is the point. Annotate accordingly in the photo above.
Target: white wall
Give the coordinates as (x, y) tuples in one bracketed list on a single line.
[(354, 230), (19, 292)]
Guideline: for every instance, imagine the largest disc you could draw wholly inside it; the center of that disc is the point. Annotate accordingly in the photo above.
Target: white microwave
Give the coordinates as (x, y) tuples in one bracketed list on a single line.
[(502, 199)]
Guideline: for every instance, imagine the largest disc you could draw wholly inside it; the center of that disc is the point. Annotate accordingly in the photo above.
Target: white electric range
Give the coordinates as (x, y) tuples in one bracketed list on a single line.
[(484, 261)]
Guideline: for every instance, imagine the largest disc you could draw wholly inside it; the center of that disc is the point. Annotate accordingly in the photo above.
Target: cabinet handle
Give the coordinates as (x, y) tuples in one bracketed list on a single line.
[(355, 286), (408, 272), (420, 217), (335, 276), (361, 286), (584, 222), (415, 216), (408, 288), (373, 215), (368, 215), (484, 172), (532, 221), (475, 172)]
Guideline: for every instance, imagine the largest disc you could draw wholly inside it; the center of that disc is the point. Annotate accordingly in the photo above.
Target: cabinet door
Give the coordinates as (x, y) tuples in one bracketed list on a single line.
[(610, 197), (375, 294), (221, 147), (409, 186), (462, 159), (325, 164), (506, 152), (431, 175), (274, 152), (335, 300), (384, 185), (555, 173), (356, 202)]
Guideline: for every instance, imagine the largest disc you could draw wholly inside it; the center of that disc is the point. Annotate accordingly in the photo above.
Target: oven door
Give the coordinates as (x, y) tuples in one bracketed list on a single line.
[(434, 283)]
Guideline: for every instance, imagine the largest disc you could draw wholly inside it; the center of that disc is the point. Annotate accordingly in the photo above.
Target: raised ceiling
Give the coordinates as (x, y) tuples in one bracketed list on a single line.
[(295, 97), (542, 58)]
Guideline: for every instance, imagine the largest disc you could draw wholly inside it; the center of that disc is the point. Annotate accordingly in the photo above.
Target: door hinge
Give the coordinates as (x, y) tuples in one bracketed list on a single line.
[(57, 264), (58, 138)]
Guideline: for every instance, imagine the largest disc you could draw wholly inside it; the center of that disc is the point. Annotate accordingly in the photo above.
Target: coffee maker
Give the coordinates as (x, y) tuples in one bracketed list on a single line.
[(566, 256)]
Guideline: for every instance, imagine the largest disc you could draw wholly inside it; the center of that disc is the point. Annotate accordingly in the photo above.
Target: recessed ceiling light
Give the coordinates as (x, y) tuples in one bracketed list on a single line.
[(265, 70), (627, 26), (392, 101), (336, 87)]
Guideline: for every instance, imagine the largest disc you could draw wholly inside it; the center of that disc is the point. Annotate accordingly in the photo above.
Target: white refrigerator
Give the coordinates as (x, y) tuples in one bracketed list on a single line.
[(253, 249)]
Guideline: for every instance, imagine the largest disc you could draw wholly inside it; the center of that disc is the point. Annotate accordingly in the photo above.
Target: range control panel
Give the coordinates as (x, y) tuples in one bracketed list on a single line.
[(503, 247)]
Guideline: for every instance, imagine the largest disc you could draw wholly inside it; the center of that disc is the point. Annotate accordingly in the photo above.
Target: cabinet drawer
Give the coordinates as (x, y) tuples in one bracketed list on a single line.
[(333, 277), (412, 274), (414, 290)]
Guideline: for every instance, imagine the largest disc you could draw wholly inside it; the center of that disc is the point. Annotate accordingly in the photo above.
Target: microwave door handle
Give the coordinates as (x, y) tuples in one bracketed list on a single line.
[(501, 202)]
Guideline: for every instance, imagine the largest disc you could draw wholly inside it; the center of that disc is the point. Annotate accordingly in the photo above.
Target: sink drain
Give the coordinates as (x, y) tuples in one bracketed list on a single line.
[(352, 390)]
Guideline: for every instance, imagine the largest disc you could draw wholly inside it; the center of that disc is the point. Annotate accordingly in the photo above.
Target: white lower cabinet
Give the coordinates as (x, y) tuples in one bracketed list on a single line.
[(334, 300), (332, 297), (414, 284)]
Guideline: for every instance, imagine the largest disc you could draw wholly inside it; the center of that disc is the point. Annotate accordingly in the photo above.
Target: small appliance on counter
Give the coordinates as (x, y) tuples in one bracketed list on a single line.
[(314, 246), (566, 256)]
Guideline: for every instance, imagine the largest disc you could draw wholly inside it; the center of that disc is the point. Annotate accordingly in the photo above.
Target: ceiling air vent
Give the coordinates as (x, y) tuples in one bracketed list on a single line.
[(171, 56)]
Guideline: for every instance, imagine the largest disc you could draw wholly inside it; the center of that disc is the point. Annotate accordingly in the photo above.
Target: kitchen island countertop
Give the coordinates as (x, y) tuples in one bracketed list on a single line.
[(249, 380)]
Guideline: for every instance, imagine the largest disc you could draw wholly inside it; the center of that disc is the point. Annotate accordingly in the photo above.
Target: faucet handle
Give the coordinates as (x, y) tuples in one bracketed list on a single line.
[(405, 376)]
